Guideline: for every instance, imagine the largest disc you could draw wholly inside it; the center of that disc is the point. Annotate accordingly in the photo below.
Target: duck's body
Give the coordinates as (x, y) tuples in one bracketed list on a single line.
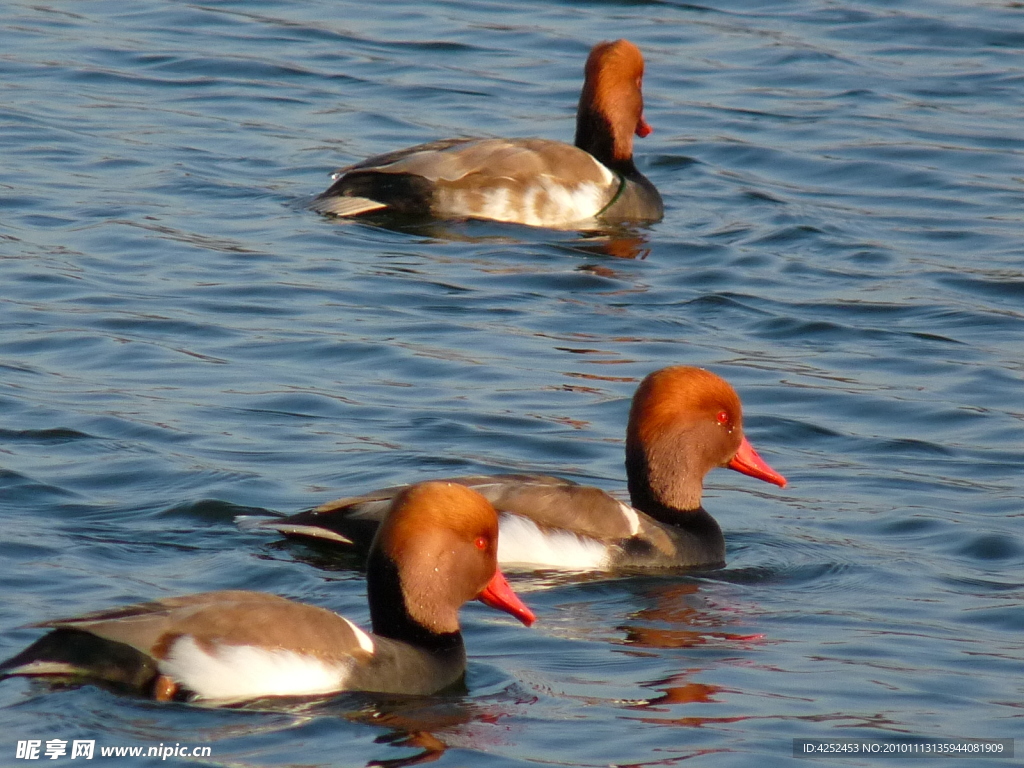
[(236, 645), (683, 422), (537, 182)]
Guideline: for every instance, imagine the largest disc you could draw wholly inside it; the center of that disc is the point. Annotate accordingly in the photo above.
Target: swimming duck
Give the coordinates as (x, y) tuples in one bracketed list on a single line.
[(683, 423), (434, 551), (538, 182)]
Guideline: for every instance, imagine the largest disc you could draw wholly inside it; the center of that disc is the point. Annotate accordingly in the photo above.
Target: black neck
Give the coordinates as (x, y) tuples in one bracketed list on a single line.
[(694, 521), (594, 135), (696, 535), (390, 615), (684, 495)]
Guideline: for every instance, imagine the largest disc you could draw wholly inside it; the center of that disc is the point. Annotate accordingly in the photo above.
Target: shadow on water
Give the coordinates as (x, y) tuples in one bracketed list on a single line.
[(677, 617), (618, 241), (427, 724)]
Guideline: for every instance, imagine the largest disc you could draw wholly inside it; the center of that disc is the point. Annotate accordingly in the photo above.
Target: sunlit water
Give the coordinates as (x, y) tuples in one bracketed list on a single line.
[(182, 339)]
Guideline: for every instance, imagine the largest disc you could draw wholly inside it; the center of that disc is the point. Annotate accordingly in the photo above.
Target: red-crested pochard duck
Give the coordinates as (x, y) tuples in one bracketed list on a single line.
[(538, 182), (435, 551), (683, 423)]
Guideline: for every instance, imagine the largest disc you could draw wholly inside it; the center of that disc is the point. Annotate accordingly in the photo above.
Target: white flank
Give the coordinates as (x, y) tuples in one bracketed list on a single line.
[(634, 519), (547, 203), (521, 542), (568, 204), (498, 205), (248, 672)]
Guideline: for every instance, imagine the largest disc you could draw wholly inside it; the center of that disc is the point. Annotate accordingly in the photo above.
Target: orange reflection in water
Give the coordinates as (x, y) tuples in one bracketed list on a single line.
[(678, 618), (692, 624), (618, 243), (427, 724)]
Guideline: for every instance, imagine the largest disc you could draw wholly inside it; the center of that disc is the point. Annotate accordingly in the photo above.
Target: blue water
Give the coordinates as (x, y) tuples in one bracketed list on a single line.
[(182, 340)]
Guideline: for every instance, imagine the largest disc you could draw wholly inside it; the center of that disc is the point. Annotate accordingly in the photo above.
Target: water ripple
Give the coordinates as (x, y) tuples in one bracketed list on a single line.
[(184, 341)]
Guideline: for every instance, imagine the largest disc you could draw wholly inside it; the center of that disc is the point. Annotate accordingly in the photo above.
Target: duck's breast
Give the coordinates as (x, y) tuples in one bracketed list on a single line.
[(398, 667), (639, 200)]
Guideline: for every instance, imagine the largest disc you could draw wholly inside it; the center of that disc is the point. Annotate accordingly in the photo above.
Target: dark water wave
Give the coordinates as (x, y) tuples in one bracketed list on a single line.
[(184, 342)]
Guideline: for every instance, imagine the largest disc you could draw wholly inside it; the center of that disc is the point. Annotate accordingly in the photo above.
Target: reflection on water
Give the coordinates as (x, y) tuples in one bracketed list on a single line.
[(429, 725), (676, 689), (184, 340), (677, 620), (620, 242)]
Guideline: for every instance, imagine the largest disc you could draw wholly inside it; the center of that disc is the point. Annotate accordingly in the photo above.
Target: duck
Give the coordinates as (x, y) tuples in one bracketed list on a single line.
[(435, 551), (683, 422), (531, 181)]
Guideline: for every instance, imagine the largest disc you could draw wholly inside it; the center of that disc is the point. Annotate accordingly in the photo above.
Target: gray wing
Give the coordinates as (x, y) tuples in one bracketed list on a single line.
[(550, 502)]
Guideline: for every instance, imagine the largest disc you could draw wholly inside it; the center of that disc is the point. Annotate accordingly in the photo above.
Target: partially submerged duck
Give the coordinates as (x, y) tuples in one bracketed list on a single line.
[(538, 182), (683, 423), (435, 551)]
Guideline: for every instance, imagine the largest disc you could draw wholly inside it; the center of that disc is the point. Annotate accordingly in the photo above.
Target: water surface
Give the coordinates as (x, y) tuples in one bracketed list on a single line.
[(183, 341)]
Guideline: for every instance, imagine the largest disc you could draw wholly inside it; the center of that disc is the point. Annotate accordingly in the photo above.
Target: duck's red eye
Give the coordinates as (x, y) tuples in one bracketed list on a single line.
[(722, 417), (481, 542)]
